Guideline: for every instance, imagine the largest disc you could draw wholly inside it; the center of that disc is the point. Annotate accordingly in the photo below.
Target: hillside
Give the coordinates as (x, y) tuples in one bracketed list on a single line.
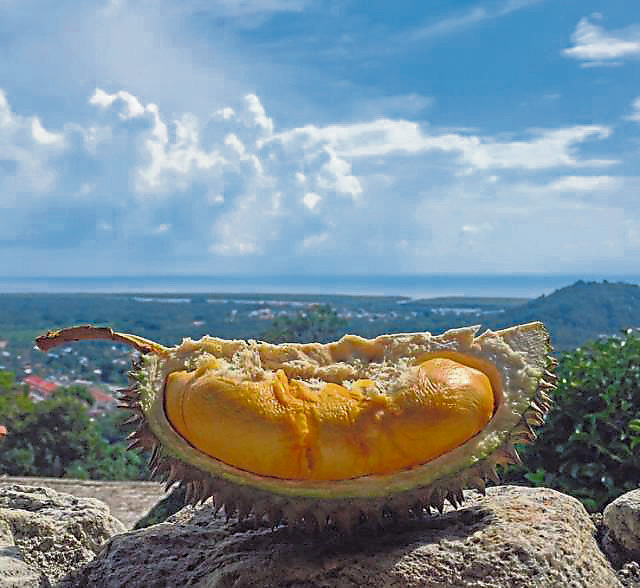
[(578, 313)]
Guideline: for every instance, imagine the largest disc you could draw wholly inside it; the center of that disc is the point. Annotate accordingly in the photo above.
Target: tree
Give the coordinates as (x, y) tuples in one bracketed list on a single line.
[(320, 323), (76, 391), (58, 438)]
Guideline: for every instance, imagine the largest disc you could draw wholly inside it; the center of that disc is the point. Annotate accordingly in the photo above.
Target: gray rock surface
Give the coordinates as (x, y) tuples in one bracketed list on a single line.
[(621, 521), (53, 532), (516, 537)]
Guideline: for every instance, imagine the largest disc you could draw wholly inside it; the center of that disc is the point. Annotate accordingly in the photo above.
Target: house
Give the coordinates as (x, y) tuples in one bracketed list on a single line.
[(39, 388), (103, 400)]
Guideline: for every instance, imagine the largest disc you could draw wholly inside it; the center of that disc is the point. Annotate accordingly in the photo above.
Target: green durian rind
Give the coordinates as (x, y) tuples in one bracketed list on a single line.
[(520, 355)]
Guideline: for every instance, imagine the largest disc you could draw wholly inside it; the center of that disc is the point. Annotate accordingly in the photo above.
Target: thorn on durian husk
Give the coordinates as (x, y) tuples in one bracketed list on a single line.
[(546, 385), (437, 500), (135, 445), (229, 510), (478, 484), (244, 509), (452, 499), (491, 474), (512, 453)]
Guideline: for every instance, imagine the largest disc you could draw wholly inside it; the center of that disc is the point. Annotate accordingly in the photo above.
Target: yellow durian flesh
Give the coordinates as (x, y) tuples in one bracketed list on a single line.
[(287, 428)]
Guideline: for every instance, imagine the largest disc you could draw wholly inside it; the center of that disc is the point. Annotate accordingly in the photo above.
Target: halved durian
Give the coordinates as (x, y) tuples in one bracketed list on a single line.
[(335, 433)]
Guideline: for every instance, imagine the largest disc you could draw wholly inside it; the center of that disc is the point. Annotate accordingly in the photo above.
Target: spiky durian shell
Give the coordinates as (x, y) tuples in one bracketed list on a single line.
[(520, 355)]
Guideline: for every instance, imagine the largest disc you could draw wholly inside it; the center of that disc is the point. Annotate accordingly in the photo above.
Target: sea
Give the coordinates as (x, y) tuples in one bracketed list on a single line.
[(411, 286)]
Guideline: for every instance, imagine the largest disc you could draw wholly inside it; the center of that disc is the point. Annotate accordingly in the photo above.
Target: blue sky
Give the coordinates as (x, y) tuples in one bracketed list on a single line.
[(319, 137)]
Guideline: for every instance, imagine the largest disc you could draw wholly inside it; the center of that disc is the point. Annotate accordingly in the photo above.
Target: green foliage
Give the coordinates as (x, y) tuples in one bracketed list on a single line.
[(319, 323), (7, 381), (75, 391), (588, 446), (58, 438)]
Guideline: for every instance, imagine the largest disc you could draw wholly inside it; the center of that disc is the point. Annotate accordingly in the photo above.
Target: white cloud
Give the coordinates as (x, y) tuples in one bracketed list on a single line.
[(132, 108), (235, 144), (546, 149), (255, 115), (593, 45), (27, 151), (583, 183), (161, 228), (314, 241), (464, 20), (311, 199), (172, 164), (635, 113), (336, 175), (476, 228), (224, 113), (41, 135), (233, 193)]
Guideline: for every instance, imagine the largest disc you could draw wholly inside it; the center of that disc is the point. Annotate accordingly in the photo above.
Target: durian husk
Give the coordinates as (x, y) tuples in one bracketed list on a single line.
[(345, 504)]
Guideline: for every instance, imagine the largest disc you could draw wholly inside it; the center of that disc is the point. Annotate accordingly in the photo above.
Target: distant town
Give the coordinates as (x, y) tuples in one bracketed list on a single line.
[(575, 314)]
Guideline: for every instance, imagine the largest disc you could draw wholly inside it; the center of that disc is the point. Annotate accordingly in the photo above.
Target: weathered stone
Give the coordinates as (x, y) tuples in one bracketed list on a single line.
[(55, 532), (621, 520), (127, 500), (517, 537), (629, 574), (14, 572)]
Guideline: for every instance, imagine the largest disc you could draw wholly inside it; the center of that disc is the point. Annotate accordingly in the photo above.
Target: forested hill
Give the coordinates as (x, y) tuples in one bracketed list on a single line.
[(577, 313)]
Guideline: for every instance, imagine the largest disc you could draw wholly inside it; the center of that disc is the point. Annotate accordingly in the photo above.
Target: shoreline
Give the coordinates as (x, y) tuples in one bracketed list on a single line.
[(414, 288)]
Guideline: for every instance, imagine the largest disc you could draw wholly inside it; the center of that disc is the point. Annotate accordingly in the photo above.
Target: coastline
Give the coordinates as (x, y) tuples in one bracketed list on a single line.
[(524, 286)]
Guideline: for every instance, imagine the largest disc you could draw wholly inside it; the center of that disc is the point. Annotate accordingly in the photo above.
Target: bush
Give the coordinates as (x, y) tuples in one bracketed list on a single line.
[(588, 446), (58, 438)]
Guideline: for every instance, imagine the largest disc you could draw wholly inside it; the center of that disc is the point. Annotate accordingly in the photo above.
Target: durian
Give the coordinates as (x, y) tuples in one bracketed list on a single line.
[(334, 434)]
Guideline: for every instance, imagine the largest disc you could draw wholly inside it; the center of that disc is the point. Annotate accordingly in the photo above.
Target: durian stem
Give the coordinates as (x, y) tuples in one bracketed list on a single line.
[(91, 333)]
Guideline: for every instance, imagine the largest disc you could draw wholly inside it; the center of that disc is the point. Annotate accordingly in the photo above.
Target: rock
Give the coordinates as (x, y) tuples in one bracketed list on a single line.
[(54, 532), (515, 536), (621, 520), (14, 572), (629, 574)]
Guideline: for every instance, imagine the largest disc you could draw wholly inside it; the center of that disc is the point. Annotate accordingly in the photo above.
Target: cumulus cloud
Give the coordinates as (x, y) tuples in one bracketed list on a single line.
[(171, 164), (548, 148), (593, 45), (232, 192), (27, 152)]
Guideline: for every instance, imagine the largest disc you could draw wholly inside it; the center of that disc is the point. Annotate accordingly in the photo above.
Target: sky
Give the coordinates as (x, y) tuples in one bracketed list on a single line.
[(207, 137)]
